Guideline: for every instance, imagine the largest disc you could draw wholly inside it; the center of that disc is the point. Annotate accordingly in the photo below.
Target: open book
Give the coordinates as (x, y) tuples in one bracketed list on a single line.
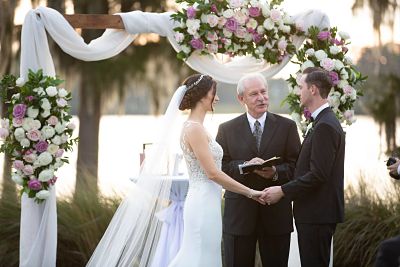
[(247, 168)]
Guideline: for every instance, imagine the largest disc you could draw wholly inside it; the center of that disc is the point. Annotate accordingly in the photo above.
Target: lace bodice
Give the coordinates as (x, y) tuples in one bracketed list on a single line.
[(196, 172)]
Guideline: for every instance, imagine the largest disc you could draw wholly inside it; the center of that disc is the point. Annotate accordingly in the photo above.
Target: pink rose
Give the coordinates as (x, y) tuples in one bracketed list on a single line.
[(34, 135), (41, 146), (334, 77), (34, 184), (197, 43), (61, 102), (53, 120), (191, 12), (348, 90), (254, 12), (17, 122), (19, 111), (275, 15), (4, 133), (28, 169), (327, 64), (282, 44), (59, 153), (231, 25), (257, 37), (18, 164)]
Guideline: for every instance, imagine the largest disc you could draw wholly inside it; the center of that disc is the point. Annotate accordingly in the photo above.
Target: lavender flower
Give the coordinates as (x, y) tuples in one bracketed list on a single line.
[(19, 111), (34, 184), (324, 35), (191, 12), (41, 146)]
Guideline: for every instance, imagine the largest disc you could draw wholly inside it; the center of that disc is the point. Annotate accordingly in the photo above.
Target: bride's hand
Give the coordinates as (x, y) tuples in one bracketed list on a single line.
[(257, 196)]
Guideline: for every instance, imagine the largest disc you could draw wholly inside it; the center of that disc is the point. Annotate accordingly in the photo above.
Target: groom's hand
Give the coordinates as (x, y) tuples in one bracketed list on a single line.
[(272, 194)]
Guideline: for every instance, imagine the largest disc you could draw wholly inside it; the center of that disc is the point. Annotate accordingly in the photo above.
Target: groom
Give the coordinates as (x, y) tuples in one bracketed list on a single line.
[(255, 136), (317, 187)]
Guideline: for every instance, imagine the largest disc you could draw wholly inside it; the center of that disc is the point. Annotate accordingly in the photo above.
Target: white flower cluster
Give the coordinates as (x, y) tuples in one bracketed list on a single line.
[(38, 133)]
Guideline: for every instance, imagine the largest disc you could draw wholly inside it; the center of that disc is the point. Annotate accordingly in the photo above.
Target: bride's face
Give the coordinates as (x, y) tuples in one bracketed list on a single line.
[(211, 99)]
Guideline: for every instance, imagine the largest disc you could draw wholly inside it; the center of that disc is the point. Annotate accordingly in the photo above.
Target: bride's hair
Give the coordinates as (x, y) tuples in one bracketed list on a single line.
[(198, 87)]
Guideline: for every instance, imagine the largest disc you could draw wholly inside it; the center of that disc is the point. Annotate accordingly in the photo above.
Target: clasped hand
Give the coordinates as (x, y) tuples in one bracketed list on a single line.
[(269, 196)]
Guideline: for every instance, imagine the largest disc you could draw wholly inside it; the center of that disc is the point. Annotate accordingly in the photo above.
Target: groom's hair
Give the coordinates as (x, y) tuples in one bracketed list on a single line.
[(320, 78), (198, 87), (256, 75)]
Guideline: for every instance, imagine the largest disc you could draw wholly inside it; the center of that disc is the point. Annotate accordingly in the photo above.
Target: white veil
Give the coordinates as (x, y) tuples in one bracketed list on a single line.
[(132, 235)]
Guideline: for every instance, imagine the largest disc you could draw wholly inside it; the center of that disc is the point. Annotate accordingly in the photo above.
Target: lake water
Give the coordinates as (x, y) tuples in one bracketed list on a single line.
[(121, 139)]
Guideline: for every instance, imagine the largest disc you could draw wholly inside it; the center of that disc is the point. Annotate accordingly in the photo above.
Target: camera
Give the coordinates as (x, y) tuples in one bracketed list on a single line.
[(390, 161)]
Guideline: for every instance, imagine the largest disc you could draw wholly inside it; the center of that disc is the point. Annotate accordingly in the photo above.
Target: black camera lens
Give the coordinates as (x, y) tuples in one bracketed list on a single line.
[(391, 161)]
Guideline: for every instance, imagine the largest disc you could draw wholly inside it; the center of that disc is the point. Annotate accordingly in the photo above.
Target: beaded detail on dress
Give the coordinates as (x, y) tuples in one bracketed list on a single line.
[(196, 172)]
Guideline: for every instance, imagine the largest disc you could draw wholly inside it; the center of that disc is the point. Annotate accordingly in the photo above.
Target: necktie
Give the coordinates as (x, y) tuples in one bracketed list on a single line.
[(257, 133)]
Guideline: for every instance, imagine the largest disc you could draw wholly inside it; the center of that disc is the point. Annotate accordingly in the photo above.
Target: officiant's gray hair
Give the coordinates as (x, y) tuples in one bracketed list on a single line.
[(240, 86)]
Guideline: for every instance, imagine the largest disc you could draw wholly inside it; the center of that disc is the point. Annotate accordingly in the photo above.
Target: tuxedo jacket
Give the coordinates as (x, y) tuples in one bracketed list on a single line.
[(280, 138), (317, 188)]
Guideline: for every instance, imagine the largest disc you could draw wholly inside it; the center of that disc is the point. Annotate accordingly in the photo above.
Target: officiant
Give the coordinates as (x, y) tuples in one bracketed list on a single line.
[(253, 137)]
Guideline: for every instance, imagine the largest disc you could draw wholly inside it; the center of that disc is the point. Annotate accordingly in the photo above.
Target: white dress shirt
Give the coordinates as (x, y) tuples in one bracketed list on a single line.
[(318, 110), (252, 120)]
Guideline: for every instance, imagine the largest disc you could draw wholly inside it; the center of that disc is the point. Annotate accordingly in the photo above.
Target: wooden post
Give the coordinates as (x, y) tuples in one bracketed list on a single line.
[(90, 21)]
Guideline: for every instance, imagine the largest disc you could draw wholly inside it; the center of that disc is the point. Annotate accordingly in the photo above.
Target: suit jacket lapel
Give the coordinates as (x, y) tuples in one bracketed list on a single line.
[(247, 134), (270, 127), (321, 114)]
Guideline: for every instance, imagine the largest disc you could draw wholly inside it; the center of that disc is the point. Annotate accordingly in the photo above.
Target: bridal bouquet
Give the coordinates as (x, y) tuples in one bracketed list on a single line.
[(37, 131), (235, 27), (327, 49)]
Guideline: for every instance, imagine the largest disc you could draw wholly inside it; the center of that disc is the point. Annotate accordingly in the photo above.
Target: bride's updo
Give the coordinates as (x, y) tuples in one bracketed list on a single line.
[(198, 87)]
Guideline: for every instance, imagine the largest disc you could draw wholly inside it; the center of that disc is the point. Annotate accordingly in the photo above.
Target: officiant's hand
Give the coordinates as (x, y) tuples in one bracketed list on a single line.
[(272, 194), (266, 172), (255, 161)]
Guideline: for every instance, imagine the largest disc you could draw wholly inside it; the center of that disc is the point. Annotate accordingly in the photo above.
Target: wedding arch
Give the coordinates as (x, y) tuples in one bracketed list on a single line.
[(38, 234)]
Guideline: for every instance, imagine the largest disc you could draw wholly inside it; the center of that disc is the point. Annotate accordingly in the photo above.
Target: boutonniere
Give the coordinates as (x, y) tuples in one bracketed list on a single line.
[(309, 129)]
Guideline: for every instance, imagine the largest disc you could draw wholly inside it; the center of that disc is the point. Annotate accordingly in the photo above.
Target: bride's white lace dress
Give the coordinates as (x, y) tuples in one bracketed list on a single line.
[(202, 233)]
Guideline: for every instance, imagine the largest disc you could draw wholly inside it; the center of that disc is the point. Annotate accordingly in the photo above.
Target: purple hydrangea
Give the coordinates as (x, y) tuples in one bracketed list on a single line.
[(19, 111), (324, 35), (34, 184)]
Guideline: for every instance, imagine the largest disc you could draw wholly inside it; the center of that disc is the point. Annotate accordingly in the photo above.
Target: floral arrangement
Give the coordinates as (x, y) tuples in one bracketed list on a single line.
[(235, 27), (37, 131), (326, 49)]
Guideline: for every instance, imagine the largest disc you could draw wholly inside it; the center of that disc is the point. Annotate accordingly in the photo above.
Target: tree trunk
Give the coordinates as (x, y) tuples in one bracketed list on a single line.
[(7, 9)]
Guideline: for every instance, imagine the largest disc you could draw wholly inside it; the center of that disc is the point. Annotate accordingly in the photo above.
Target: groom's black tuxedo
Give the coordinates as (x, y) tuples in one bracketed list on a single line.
[(317, 188), (245, 217)]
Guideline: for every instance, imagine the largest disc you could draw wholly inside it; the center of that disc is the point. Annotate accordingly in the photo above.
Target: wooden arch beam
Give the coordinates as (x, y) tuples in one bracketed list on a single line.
[(95, 21)]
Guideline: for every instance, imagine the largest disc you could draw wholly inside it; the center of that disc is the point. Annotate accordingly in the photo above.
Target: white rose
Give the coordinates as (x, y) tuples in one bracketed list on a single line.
[(43, 194), (252, 23), (268, 24), (44, 159), (33, 112), (186, 49), (60, 127), (310, 51), (320, 55), (45, 113), (25, 142), (287, 19), (307, 64), (344, 75), (235, 3), (342, 83), (349, 116), (27, 124), (240, 17), (5, 123), (48, 132), (45, 104), (20, 82), (62, 92), (51, 91), (334, 100), (203, 18), (344, 35), (56, 140), (46, 175), (338, 64), (64, 138), (71, 126), (348, 60), (61, 102), (260, 30), (300, 25), (36, 124), (327, 64), (212, 20), (52, 149), (17, 178), (334, 49), (19, 134), (227, 34), (266, 11), (193, 26), (39, 91), (179, 37), (59, 163), (228, 13), (15, 96)]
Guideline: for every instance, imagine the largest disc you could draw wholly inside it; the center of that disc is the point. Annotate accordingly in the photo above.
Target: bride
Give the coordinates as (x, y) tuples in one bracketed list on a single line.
[(131, 237)]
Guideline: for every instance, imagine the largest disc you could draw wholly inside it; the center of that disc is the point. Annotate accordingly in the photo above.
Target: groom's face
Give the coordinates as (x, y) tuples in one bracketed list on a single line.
[(305, 93), (255, 97)]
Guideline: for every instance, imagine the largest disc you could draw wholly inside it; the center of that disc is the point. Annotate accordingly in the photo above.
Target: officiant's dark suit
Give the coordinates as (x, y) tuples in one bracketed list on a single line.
[(317, 188), (245, 221)]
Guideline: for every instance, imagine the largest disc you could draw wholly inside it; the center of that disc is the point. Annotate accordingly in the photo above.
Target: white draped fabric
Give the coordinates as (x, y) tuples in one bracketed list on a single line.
[(38, 234)]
